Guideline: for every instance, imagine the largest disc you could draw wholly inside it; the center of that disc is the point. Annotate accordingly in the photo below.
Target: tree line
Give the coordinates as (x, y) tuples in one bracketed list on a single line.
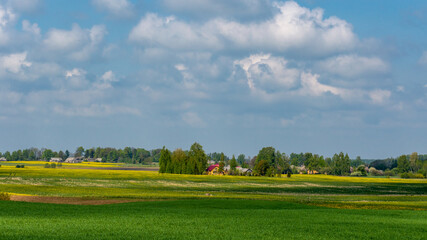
[(125, 155)]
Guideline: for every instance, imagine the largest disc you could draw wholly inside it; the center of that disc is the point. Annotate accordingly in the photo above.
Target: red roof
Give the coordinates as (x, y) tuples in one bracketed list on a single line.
[(212, 167)]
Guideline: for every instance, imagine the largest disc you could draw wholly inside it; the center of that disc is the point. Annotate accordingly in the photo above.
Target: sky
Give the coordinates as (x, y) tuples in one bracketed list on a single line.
[(320, 76)]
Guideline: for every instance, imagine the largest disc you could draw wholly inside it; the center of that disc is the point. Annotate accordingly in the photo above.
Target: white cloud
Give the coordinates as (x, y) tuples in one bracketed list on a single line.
[(193, 119), (270, 79), (15, 63), (379, 96), (117, 8), (63, 40), (292, 29), (7, 18), (354, 65), (79, 43), (266, 71), (76, 78), (30, 28), (105, 80)]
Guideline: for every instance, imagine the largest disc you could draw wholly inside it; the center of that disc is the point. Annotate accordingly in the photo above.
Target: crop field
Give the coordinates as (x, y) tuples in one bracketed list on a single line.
[(168, 206)]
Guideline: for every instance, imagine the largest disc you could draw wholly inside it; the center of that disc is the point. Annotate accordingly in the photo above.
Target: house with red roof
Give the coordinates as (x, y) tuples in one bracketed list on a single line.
[(213, 169)]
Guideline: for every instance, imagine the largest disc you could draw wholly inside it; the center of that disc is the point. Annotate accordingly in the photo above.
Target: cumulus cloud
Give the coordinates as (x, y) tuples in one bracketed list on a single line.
[(14, 63), (7, 18), (106, 80), (292, 29), (271, 79), (265, 71), (30, 28), (354, 66), (116, 8), (79, 43), (76, 78)]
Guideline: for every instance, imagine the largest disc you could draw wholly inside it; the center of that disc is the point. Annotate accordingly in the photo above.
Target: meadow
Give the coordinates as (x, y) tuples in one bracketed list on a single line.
[(192, 207)]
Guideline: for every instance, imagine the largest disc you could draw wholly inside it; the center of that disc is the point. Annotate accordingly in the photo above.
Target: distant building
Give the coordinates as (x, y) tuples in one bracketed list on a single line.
[(3, 159), (213, 169), (74, 160), (55, 160)]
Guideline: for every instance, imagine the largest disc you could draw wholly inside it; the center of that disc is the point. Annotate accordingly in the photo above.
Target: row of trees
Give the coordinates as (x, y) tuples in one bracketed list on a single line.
[(126, 155), (193, 161)]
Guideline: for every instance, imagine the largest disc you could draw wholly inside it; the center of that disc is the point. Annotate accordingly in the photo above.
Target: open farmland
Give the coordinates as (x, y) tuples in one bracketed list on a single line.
[(159, 206)]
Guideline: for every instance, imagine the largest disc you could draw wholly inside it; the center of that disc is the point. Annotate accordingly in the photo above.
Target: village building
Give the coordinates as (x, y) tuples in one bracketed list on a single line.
[(74, 160), (3, 159), (55, 160), (213, 169)]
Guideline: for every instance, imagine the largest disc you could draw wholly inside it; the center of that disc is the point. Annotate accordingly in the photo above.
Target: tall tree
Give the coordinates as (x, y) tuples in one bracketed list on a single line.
[(233, 164), (79, 152), (221, 163), (197, 156), (413, 162), (268, 154), (164, 160), (179, 160), (403, 164)]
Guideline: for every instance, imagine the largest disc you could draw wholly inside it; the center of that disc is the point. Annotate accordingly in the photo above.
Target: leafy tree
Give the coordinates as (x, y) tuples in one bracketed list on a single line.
[(79, 152), (197, 158), (47, 154), (164, 160), (233, 164), (268, 154), (341, 164), (413, 162), (262, 167), (403, 164), (67, 154), (221, 163), (241, 159), (179, 160)]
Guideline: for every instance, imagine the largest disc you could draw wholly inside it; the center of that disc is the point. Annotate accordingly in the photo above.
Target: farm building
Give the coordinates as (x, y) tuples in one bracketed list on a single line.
[(3, 159), (55, 160), (74, 160)]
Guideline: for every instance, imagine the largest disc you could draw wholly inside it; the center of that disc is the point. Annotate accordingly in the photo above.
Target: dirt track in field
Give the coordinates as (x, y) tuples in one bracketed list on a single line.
[(72, 200)]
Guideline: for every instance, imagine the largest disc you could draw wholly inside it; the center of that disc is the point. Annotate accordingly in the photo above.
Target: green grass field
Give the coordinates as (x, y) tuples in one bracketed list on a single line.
[(210, 207), (206, 219)]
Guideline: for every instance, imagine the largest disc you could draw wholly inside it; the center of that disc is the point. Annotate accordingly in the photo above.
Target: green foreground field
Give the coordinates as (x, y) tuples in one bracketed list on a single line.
[(205, 219), (209, 207)]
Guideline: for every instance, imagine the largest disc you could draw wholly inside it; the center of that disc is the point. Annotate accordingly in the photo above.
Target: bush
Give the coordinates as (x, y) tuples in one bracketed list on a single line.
[(20, 166), (4, 196), (53, 165), (356, 174), (289, 174), (375, 172), (47, 165), (411, 175), (389, 173)]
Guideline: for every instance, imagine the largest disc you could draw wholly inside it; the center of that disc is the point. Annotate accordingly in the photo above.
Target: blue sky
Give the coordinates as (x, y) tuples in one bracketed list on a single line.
[(301, 76)]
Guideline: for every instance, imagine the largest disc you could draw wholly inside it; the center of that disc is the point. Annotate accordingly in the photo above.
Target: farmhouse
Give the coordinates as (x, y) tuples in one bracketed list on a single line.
[(3, 159), (213, 170), (55, 160), (74, 160)]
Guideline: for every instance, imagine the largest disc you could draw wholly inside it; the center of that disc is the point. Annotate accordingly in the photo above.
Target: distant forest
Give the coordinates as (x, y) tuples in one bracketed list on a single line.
[(267, 162)]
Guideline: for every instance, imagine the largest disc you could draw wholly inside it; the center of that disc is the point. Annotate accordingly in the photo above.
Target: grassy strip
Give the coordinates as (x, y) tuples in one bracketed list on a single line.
[(205, 219)]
